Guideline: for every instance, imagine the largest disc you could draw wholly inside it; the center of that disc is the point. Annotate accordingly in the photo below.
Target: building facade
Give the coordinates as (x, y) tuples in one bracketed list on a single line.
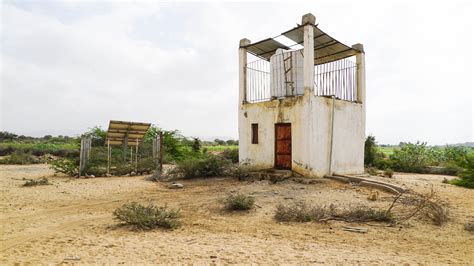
[(302, 106)]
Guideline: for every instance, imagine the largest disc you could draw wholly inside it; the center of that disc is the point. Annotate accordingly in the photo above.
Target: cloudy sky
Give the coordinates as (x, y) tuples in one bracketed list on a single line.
[(67, 66)]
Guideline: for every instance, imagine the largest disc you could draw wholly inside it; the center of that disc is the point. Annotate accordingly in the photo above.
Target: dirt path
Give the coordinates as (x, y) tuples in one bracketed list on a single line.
[(72, 219)]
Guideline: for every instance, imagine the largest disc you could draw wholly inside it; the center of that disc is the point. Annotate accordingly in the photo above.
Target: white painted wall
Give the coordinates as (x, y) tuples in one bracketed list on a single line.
[(310, 118)]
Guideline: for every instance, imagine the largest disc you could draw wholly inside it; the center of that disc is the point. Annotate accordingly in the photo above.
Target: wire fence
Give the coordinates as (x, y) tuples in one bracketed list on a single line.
[(282, 77), (337, 79)]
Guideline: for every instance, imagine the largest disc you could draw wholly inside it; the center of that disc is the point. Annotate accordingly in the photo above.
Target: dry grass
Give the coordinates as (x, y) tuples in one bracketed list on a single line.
[(301, 212)]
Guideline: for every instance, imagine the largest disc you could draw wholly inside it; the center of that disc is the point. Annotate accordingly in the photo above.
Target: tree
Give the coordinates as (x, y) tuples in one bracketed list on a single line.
[(219, 142), (370, 151), (196, 146)]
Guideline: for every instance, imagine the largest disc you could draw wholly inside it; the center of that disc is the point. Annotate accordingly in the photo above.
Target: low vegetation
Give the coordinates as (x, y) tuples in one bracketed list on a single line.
[(36, 182), (301, 212), (208, 165), (147, 217), (239, 202), (420, 158), (20, 157), (403, 207)]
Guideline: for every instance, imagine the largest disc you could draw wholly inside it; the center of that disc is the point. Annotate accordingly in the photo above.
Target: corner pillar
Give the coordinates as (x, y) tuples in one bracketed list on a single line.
[(360, 67), (243, 71), (308, 21)]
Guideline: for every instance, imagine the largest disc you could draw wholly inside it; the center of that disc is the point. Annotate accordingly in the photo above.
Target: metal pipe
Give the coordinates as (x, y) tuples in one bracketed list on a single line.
[(332, 136)]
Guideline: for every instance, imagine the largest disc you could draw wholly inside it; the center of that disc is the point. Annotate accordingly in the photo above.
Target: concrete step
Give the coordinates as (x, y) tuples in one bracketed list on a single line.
[(273, 175)]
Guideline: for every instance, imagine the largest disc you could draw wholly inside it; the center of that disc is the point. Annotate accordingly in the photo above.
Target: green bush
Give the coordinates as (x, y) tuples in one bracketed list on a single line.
[(231, 154), (65, 166), (239, 202), (20, 157), (147, 217), (412, 158), (388, 173), (466, 176), (370, 151), (36, 182), (208, 166)]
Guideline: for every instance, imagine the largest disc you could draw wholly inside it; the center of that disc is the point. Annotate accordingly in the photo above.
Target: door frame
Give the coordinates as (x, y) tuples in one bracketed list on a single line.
[(275, 147)]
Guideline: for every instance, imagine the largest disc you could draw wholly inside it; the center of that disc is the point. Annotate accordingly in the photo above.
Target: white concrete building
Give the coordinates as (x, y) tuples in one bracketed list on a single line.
[(302, 109)]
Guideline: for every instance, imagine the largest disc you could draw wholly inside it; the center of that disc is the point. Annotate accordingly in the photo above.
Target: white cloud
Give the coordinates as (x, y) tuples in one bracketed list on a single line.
[(67, 66)]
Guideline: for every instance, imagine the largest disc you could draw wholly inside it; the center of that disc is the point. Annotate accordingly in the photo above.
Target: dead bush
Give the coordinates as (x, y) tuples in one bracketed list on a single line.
[(364, 214), (36, 182), (301, 212), (239, 202), (426, 206), (147, 217)]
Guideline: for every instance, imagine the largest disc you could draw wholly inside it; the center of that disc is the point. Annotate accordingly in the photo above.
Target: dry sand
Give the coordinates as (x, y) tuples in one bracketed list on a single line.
[(71, 221)]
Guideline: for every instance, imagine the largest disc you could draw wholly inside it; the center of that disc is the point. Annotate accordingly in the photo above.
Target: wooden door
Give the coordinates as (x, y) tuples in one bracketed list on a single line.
[(283, 146)]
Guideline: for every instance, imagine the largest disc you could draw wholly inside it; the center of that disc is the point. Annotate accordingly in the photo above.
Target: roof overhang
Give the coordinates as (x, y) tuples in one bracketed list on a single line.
[(326, 48), (134, 132)]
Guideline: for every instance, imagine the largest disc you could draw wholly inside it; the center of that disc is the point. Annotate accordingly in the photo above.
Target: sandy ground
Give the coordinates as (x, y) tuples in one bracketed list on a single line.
[(71, 221)]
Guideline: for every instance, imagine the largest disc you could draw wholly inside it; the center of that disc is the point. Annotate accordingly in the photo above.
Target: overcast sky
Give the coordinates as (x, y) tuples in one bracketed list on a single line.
[(68, 66)]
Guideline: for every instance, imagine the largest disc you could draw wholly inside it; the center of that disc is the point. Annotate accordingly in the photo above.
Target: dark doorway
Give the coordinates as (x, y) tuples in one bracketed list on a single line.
[(283, 146)]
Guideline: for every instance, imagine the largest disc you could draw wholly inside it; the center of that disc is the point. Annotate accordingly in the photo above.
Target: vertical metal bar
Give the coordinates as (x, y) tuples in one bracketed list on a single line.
[(136, 157), (161, 150), (108, 156)]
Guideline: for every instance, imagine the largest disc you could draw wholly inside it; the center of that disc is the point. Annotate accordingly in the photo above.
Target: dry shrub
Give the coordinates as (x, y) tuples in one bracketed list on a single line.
[(301, 212), (365, 214), (147, 217), (36, 182), (239, 202), (423, 205)]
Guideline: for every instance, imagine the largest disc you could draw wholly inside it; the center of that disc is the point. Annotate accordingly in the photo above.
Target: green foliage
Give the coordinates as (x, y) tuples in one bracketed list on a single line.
[(231, 155), (388, 173), (65, 166), (98, 136), (466, 176), (208, 166), (370, 151), (20, 157), (36, 182), (412, 157), (147, 217), (239, 202), (196, 146)]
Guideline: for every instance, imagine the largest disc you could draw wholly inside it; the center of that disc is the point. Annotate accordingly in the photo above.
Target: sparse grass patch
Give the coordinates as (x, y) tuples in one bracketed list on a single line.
[(239, 202), (36, 182), (147, 217), (301, 212)]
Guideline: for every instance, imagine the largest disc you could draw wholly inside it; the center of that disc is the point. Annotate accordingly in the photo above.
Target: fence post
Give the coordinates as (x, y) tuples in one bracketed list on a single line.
[(108, 156), (136, 156), (161, 151)]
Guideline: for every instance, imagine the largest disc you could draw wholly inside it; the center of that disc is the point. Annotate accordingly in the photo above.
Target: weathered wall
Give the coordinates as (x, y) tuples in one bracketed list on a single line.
[(310, 118)]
